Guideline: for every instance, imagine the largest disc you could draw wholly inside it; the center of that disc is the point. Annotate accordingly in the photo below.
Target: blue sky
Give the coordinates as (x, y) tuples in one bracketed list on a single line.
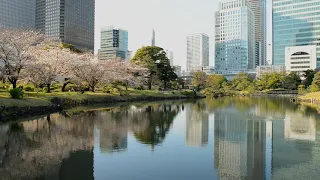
[(172, 20)]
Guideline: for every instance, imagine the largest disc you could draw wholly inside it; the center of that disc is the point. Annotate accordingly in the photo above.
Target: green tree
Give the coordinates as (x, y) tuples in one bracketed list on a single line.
[(71, 47), (315, 86), (269, 81), (301, 89), (291, 81), (181, 82), (154, 58), (308, 75), (199, 79), (241, 82), (215, 81)]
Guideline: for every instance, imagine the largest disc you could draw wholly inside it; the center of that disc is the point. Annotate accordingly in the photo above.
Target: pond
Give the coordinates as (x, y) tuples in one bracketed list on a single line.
[(224, 138)]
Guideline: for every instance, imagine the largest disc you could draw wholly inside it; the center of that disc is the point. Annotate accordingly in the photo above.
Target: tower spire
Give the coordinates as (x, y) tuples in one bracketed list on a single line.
[(153, 42)]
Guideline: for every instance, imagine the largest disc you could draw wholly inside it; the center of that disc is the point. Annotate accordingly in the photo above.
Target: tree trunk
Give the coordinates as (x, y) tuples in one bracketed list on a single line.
[(150, 84), (63, 89), (48, 88), (126, 86), (92, 88), (164, 85), (49, 119), (182, 85), (13, 82)]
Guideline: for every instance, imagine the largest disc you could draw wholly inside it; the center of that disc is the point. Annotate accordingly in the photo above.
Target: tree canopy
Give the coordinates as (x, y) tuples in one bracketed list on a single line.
[(215, 81), (155, 59), (199, 79)]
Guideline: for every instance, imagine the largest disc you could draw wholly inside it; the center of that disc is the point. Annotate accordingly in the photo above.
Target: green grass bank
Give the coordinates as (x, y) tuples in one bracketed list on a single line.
[(41, 103)]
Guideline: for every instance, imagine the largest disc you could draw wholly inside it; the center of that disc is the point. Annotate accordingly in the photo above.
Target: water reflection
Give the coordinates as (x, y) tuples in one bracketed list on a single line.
[(197, 125), (252, 138)]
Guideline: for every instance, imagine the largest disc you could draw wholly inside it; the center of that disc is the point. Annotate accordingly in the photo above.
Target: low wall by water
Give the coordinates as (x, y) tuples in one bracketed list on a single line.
[(60, 103)]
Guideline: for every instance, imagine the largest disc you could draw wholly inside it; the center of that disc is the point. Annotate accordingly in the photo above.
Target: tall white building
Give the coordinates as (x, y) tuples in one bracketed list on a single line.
[(235, 37), (169, 56), (197, 51)]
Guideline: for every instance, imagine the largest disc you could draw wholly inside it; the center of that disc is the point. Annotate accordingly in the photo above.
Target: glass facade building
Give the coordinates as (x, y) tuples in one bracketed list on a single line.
[(197, 52), (235, 37), (114, 44), (260, 13), (70, 21), (17, 13), (295, 23)]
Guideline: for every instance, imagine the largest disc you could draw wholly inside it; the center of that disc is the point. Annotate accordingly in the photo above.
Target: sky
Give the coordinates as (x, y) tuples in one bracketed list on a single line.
[(172, 20)]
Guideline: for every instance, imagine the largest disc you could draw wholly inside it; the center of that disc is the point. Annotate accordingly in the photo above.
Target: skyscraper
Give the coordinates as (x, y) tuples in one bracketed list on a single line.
[(114, 43), (17, 13), (70, 21), (235, 37), (197, 51), (153, 41), (169, 56), (260, 12), (295, 23)]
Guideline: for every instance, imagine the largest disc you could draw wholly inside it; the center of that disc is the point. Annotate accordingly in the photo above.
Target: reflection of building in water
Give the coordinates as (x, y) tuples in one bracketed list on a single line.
[(239, 146), (113, 133), (299, 127), (197, 127), (287, 154)]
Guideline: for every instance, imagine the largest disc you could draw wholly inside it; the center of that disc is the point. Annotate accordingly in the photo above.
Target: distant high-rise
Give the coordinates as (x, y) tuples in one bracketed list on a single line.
[(17, 13), (114, 44), (153, 41), (295, 23), (260, 12), (70, 21), (197, 52), (169, 56), (235, 37)]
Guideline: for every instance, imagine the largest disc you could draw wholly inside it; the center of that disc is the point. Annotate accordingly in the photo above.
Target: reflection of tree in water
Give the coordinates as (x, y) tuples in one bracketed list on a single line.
[(262, 105), (151, 125), (35, 149)]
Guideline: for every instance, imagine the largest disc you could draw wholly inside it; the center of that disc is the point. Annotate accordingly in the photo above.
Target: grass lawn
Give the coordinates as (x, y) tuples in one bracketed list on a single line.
[(315, 95), (43, 99), (33, 102)]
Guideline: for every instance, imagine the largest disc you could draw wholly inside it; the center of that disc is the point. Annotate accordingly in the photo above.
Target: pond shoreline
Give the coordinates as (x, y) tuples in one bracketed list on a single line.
[(56, 104)]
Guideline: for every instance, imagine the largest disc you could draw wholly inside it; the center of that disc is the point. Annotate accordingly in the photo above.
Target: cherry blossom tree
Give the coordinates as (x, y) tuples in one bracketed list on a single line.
[(51, 61), (132, 74), (92, 72), (88, 72), (16, 51)]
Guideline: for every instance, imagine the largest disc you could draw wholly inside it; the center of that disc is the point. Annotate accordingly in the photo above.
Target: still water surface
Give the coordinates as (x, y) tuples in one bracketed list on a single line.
[(226, 138)]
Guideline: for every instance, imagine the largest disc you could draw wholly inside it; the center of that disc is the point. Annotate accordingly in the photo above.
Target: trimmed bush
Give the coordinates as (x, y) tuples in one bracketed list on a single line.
[(16, 93), (29, 89)]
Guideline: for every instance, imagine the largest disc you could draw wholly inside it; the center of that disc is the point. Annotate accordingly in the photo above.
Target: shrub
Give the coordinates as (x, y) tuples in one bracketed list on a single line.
[(29, 89), (314, 88), (139, 87), (16, 93), (302, 89), (108, 88)]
